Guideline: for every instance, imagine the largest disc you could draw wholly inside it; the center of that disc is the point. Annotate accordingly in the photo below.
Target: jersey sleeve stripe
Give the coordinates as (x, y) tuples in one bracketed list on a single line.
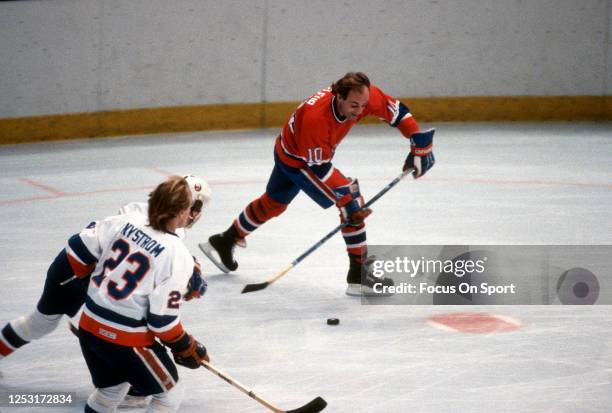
[(172, 334), (77, 246), (79, 269), (160, 322), (400, 111), (408, 126)]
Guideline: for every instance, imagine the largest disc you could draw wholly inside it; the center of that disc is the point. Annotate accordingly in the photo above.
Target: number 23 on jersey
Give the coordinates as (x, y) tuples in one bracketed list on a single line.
[(136, 267)]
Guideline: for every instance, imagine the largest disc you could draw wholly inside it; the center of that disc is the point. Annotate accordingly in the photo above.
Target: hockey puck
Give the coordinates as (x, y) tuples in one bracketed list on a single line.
[(333, 321)]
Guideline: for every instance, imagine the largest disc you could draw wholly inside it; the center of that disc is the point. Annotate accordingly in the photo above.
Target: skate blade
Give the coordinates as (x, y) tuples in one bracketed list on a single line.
[(210, 252)]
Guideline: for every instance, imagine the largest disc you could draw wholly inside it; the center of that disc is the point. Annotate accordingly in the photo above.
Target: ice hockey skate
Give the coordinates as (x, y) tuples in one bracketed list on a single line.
[(220, 249), (362, 283)]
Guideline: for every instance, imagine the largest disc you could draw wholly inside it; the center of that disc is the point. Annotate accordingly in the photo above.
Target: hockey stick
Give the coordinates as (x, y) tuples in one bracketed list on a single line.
[(314, 406), (260, 286)]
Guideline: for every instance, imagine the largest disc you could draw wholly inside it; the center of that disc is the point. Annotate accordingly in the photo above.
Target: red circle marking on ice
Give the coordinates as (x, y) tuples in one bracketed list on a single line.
[(477, 323)]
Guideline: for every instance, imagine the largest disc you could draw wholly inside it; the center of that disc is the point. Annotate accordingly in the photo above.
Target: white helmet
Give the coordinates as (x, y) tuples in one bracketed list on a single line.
[(200, 192)]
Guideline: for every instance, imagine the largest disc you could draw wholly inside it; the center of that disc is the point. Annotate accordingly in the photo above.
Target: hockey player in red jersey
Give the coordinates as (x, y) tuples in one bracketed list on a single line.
[(303, 161)]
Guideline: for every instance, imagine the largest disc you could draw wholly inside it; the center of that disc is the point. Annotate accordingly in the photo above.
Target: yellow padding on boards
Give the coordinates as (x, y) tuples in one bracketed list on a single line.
[(264, 115)]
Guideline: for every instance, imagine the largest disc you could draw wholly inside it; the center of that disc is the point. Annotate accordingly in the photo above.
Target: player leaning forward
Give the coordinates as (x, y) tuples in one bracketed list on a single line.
[(134, 299), (69, 274), (303, 161)]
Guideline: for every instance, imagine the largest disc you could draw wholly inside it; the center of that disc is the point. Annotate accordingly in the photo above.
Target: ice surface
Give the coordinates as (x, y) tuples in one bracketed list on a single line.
[(492, 184)]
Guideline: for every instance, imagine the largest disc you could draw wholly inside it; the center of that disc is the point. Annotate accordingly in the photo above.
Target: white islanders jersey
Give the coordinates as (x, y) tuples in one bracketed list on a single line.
[(137, 286)]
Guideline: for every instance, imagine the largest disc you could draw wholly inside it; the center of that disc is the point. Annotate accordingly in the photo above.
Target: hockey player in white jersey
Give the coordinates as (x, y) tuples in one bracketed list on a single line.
[(200, 194), (68, 277), (142, 275)]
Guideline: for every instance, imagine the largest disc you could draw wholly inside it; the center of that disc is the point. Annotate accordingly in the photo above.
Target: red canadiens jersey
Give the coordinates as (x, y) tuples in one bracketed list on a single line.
[(315, 129)]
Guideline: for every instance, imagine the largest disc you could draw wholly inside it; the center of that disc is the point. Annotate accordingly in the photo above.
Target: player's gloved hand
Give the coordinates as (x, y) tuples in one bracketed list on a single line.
[(350, 203), (187, 351), (421, 157), (197, 286)]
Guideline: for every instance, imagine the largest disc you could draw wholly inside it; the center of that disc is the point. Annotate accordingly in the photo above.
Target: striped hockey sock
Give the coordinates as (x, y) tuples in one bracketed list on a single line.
[(355, 239), (9, 341), (257, 213)]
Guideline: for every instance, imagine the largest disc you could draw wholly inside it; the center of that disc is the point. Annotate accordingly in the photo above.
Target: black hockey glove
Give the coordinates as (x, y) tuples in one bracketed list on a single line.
[(187, 351), (421, 157)]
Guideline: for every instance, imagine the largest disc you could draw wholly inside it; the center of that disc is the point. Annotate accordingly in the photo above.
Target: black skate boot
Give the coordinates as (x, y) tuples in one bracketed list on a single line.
[(220, 249), (365, 284)]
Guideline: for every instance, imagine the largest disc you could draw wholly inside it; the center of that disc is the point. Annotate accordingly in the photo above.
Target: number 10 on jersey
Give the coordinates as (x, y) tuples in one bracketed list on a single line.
[(315, 155)]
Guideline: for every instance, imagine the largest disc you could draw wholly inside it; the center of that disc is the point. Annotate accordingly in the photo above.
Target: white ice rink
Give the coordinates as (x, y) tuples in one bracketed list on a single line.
[(492, 184)]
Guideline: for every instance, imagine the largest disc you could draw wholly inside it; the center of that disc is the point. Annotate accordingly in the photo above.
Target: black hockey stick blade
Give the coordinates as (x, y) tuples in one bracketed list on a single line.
[(249, 288), (314, 406), (260, 286)]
